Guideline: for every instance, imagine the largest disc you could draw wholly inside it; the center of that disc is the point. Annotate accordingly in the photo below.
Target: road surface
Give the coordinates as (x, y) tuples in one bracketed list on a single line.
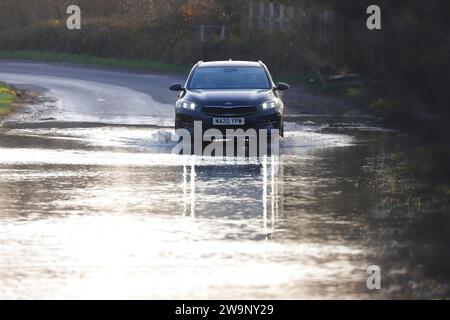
[(94, 205), (94, 95)]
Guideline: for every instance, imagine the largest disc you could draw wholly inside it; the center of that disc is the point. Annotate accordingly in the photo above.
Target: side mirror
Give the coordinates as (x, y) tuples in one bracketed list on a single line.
[(176, 87), (282, 86)]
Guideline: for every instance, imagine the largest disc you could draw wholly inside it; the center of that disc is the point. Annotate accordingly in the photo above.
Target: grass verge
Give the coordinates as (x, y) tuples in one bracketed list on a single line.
[(86, 59), (8, 98)]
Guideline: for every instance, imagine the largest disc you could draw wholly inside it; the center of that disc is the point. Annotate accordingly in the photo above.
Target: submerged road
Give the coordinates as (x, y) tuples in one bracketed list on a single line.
[(94, 205)]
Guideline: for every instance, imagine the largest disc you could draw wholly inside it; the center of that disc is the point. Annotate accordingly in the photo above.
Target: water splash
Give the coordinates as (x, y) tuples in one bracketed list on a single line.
[(305, 139)]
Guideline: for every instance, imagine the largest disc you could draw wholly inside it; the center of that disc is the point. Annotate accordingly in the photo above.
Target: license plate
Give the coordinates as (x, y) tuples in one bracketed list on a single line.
[(229, 121)]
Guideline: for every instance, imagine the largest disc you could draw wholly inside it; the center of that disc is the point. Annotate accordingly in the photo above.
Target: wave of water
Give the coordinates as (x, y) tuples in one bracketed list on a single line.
[(293, 139), (296, 136)]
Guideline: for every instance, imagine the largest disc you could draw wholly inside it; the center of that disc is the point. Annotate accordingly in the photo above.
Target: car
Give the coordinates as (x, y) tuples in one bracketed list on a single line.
[(230, 95)]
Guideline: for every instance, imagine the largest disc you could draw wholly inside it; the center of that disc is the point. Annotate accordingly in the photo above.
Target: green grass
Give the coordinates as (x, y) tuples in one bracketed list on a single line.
[(86, 59), (308, 78), (7, 98)]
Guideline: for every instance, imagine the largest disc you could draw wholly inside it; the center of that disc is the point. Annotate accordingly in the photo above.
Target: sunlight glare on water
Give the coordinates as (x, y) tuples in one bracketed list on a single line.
[(110, 213)]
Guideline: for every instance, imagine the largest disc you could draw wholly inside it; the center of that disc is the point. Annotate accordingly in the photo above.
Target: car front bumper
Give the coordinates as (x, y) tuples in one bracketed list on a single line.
[(264, 119)]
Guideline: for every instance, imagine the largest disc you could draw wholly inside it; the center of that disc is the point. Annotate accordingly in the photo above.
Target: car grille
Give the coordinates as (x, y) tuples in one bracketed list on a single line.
[(229, 111)]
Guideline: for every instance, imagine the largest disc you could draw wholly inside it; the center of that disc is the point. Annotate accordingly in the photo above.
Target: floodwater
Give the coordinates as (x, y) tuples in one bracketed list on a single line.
[(109, 212)]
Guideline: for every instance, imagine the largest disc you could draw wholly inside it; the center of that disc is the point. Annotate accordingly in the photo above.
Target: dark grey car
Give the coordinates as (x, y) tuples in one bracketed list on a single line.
[(230, 95)]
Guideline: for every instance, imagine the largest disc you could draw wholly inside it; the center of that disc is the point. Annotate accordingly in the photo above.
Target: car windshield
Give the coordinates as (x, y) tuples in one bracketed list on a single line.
[(229, 78)]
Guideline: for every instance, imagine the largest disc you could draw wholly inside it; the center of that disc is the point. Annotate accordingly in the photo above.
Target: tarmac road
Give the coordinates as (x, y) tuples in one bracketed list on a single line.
[(96, 95)]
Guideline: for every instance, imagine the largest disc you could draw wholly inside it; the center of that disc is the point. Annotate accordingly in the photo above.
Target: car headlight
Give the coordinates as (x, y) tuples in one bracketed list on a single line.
[(269, 105), (187, 105)]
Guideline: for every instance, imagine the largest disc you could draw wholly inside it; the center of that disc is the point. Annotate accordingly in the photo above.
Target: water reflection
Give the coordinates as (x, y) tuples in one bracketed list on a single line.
[(83, 222), (189, 188), (265, 169)]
